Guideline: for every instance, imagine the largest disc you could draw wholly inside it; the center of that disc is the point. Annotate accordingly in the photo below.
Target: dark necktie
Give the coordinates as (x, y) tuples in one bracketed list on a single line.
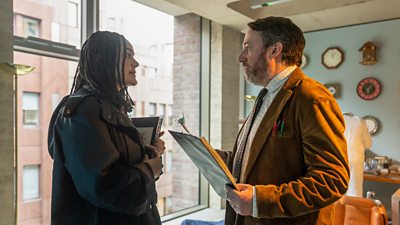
[(237, 163)]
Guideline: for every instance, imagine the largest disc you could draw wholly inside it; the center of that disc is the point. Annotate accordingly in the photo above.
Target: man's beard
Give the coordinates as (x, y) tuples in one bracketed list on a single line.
[(256, 74)]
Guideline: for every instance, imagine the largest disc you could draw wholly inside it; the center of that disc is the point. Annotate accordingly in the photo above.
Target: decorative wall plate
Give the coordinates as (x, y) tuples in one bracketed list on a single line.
[(373, 124), (369, 88)]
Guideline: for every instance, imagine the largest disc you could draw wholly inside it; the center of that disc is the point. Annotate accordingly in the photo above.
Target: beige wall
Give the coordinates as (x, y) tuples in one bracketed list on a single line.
[(7, 215), (225, 83)]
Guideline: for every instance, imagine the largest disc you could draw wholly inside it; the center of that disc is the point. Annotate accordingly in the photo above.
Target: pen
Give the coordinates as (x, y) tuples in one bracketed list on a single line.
[(274, 128), (282, 128)]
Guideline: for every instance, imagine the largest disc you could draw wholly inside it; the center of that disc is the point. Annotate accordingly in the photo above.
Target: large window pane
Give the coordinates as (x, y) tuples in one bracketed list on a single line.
[(55, 20), (30, 108), (151, 34), (38, 94), (30, 182)]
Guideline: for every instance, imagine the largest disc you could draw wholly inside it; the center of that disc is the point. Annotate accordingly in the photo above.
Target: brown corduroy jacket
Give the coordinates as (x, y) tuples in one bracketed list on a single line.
[(301, 170)]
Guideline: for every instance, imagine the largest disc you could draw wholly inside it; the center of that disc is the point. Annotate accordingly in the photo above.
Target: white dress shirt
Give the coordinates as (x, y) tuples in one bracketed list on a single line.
[(274, 86)]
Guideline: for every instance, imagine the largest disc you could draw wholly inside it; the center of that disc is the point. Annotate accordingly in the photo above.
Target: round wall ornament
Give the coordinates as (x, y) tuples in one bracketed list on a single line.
[(369, 88)]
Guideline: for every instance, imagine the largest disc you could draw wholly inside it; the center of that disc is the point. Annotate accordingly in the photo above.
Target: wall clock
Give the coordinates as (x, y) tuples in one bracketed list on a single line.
[(373, 124), (369, 88), (332, 57), (334, 89)]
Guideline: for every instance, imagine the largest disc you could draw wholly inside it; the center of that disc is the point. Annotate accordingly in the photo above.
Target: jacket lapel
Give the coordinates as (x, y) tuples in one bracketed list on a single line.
[(269, 118)]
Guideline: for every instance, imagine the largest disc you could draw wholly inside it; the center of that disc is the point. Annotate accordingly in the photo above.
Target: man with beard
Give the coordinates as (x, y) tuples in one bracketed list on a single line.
[(290, 157)]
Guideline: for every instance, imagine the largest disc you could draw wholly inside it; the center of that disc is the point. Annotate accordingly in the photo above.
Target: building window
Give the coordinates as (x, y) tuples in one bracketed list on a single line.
[(133, 112), (168, 160), (161, 112), (30, 182), (168, 205), (30, 108), (30, 26), (73, 14), (55, 99), (111, 23), (181, 186), (143, 69), (55, 31), (170, 115), (152, 109)]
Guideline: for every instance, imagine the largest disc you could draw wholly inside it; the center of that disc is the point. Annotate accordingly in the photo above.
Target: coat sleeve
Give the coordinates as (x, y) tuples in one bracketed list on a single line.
[(94, 164), (325, 156)]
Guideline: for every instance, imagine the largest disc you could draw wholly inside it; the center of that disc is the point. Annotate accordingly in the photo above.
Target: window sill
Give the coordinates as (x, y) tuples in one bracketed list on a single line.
[(208, 214)]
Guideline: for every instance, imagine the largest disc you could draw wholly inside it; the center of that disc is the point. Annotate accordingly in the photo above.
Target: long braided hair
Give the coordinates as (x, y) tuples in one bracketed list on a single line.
[(100, 66)]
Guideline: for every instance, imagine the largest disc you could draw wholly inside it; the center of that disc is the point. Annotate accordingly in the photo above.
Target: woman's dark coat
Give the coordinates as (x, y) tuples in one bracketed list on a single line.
[(99, 177)]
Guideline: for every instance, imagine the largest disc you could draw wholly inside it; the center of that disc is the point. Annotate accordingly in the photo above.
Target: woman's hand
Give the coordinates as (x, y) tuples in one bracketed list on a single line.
[(157, 148), (156, 166)]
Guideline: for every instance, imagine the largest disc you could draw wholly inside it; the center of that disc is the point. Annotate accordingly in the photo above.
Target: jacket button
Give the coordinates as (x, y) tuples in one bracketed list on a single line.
[(150, 206), (68, 111), (108, 117)]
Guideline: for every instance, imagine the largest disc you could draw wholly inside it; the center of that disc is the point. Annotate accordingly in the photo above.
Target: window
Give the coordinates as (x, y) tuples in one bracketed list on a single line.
[(152, 109), (30, 26), (30, 108), (111, 24), (30, 182), (50, 20), (73, 14), (56, 75), (170, 115), (180, 190), (161, 112), (43, 38), (133, 112), (168, 160), (55, 31), (55, 99)]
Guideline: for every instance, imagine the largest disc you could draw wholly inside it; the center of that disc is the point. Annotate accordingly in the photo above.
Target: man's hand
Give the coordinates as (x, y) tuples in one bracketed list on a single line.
[(241, 200)]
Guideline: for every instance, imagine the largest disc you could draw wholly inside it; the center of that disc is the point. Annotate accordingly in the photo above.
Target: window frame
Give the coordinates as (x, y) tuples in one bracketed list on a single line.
[(89, 24)]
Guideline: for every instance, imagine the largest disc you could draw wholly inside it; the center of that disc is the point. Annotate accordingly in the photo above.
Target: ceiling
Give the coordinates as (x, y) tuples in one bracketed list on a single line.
[(309, 15)]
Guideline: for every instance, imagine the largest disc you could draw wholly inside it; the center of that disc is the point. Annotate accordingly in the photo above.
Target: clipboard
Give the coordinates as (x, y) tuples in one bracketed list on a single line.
[(207, 160)]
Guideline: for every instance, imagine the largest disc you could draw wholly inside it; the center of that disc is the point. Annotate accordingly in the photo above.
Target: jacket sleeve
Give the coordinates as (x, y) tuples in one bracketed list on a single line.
[(95, 167), (325, 156)]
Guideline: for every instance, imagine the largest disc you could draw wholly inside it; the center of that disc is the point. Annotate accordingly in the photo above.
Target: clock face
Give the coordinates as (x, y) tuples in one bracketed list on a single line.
[(369, 88), (373, 124), (332, 58), (334, 89)]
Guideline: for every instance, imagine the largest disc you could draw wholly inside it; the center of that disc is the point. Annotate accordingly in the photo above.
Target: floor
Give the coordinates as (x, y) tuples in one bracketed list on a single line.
[(208, 214)]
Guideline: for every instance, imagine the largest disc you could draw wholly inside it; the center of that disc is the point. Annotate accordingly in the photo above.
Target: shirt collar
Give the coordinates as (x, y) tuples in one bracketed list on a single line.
[(278, 80)]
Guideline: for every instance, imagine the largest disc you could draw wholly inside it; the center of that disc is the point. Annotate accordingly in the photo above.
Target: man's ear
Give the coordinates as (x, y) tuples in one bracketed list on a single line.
[(276, 49)]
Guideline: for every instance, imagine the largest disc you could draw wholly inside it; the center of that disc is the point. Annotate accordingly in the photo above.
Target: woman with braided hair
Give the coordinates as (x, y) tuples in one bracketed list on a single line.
[(103, 173)]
